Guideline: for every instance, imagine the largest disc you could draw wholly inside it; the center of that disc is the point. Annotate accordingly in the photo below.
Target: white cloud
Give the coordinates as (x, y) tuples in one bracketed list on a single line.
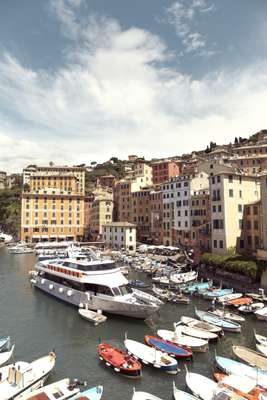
[(116, 95)]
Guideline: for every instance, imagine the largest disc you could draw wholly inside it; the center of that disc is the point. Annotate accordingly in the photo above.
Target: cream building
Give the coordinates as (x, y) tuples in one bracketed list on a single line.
[(119, 235), (228, 195), (101, 212)]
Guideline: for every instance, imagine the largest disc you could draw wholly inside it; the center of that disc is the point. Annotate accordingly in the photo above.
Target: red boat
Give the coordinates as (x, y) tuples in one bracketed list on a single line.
[(242, 301), (119, 360), (172, 349)]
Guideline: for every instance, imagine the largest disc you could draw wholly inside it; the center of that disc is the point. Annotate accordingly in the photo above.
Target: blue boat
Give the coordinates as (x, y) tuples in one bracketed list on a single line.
[(172, 349), (94, 393), (215, 320), (195, 287), (237, 368), (217, 293)]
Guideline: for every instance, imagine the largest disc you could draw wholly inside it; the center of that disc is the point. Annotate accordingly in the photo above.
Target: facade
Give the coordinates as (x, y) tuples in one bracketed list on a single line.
[(251, 150), (156, 219), (53, 204), (140, 214), (101, 213), (229, 194), (3, 176), (143, 171), (120, 235), (250, 164), (200, 220), (162, 171), (251, 234)]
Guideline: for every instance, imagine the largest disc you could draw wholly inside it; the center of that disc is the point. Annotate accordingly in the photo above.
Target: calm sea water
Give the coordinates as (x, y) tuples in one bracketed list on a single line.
[(39, 323)]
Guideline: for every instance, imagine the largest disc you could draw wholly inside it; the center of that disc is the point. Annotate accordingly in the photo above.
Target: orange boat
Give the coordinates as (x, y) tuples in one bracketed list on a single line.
[(254, 394), (242, 301)]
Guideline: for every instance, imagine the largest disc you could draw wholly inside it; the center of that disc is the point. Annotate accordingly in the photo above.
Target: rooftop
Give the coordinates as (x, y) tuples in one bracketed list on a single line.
[(120, 224)]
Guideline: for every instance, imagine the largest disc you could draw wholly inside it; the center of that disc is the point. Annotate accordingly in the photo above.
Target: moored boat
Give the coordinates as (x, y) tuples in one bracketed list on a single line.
[(229, 297), (6, 355), (144, 396), (172, 349), (193, 322), (242, 386), (181, 395), (197, 287), (198, 333), (212, 294), (201, 386), (262, 349), (215, 320), (119, 360), (149, 356), (61, 390), (261, 339), (195, 344), (228, 315), (251, 357), (261, 314), (93, 316), (249, 309), (241, 301), (94, 393)]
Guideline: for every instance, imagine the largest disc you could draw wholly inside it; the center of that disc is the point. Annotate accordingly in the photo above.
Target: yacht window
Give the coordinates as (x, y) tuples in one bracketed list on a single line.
[(124, 289), (116, 291)]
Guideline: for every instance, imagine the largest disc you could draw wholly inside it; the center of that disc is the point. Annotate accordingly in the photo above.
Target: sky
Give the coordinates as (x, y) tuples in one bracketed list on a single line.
[(85, 80)]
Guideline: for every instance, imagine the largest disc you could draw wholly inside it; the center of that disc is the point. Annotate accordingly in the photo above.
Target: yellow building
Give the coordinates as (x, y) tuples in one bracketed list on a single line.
[(53, 204), (101, 212)]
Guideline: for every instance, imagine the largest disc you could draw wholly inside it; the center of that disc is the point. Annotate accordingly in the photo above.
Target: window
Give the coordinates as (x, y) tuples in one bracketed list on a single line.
[(255, 210), (218, 224), (215, 244), (221, 244), (231, 193), (240, 194), (256, 225), (218, 179), (214, 209), (219, 208), (249, 240), (248, 225), (241, 243), (257, 241), (240, 223), (230, 178), (240, 208)]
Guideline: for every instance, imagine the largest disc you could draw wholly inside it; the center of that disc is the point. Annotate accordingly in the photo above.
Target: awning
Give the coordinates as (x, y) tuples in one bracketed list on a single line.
[(62, 236), (44, 236), (36, 236), (53, 236)]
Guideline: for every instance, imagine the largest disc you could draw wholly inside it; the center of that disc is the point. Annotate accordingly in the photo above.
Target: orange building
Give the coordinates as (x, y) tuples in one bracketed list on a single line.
[(163, 170)]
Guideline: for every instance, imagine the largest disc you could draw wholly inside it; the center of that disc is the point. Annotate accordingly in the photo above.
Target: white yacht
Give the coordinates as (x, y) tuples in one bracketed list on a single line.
[(20, 248), (96, 284)]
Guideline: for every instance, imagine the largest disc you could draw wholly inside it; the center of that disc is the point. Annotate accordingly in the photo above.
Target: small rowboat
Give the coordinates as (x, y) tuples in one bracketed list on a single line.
[(196, 287), (198, 333), (249, 309), (251, 357), (202, 387), (213, 319), (228, 315), (94, 393), (119, 360), (242, 386), (6, 355), (197, 345), (233, 367), (229, 297), (205, 326), (213, 294), (149, 356), (172, 349), (242, 301), (261, 314), (261, 339), (92, 316), (180, 395), (262, 349)]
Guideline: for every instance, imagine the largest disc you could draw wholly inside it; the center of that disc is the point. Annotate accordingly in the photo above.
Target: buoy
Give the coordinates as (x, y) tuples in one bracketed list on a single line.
[(51, 286), (61, 290), (69, 293), (42, 281)]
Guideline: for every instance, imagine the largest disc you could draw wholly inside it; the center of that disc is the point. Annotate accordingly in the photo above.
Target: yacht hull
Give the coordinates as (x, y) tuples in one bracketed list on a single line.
[(76, 298)]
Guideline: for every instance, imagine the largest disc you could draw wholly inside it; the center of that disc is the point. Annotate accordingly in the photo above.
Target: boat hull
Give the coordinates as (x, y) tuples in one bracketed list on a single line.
[(76, 298)]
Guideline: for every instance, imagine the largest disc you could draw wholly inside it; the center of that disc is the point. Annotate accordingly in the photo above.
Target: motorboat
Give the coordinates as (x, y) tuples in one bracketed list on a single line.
[(94, 393), (144, 396), (4, 342), (260, 296), (149, 356), (23, 377), (184, 277), (86, 281), (201, 386), (6, 355), (120, 361), (172, 349), (251, 357), (233, 367), (241, 301), (198, 333), (61, 390), (261, 314), (181, 395), (226, 325), (249, 309), (193, 322), (229, 297), (228, 315), (20, 248), (139, 284), (177, 337), (93, 316), (261, 339)]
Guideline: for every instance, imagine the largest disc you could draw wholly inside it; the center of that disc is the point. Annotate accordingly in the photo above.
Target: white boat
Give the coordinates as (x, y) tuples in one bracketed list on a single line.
[(20, 248), (228, 315), (150, 356), (89, 282), (195, 344), (23, 377), (193, 322), (262, 349), (251, 357), (181, 395), (198, 333), (184, 277), (61, 390), (144, 396), (4, 342), (249, 309), (202, 387), (6, 355), (261, 339), (229, 297), (261, 314), (92, 316)]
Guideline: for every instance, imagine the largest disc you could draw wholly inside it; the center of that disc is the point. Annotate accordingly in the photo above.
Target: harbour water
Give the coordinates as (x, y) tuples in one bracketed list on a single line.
[(39, 323)]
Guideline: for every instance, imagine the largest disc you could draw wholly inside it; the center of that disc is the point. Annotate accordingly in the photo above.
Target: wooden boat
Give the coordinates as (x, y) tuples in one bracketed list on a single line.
[(149, 356), (261, 339), (6, 355), (198, 333), (144, 396), (251, 357), (205, 326), (242, 386), (226, 325), (93, 316), (233, 367), (23, 377), (4, 342), (172, 349), (261, 314), (262, 349), (196, 345), (61, 390), (229, 297), (180, 395), (119, 360), (249, 309), (242, 301), (228, 315), (202, 387), (94, 393)]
